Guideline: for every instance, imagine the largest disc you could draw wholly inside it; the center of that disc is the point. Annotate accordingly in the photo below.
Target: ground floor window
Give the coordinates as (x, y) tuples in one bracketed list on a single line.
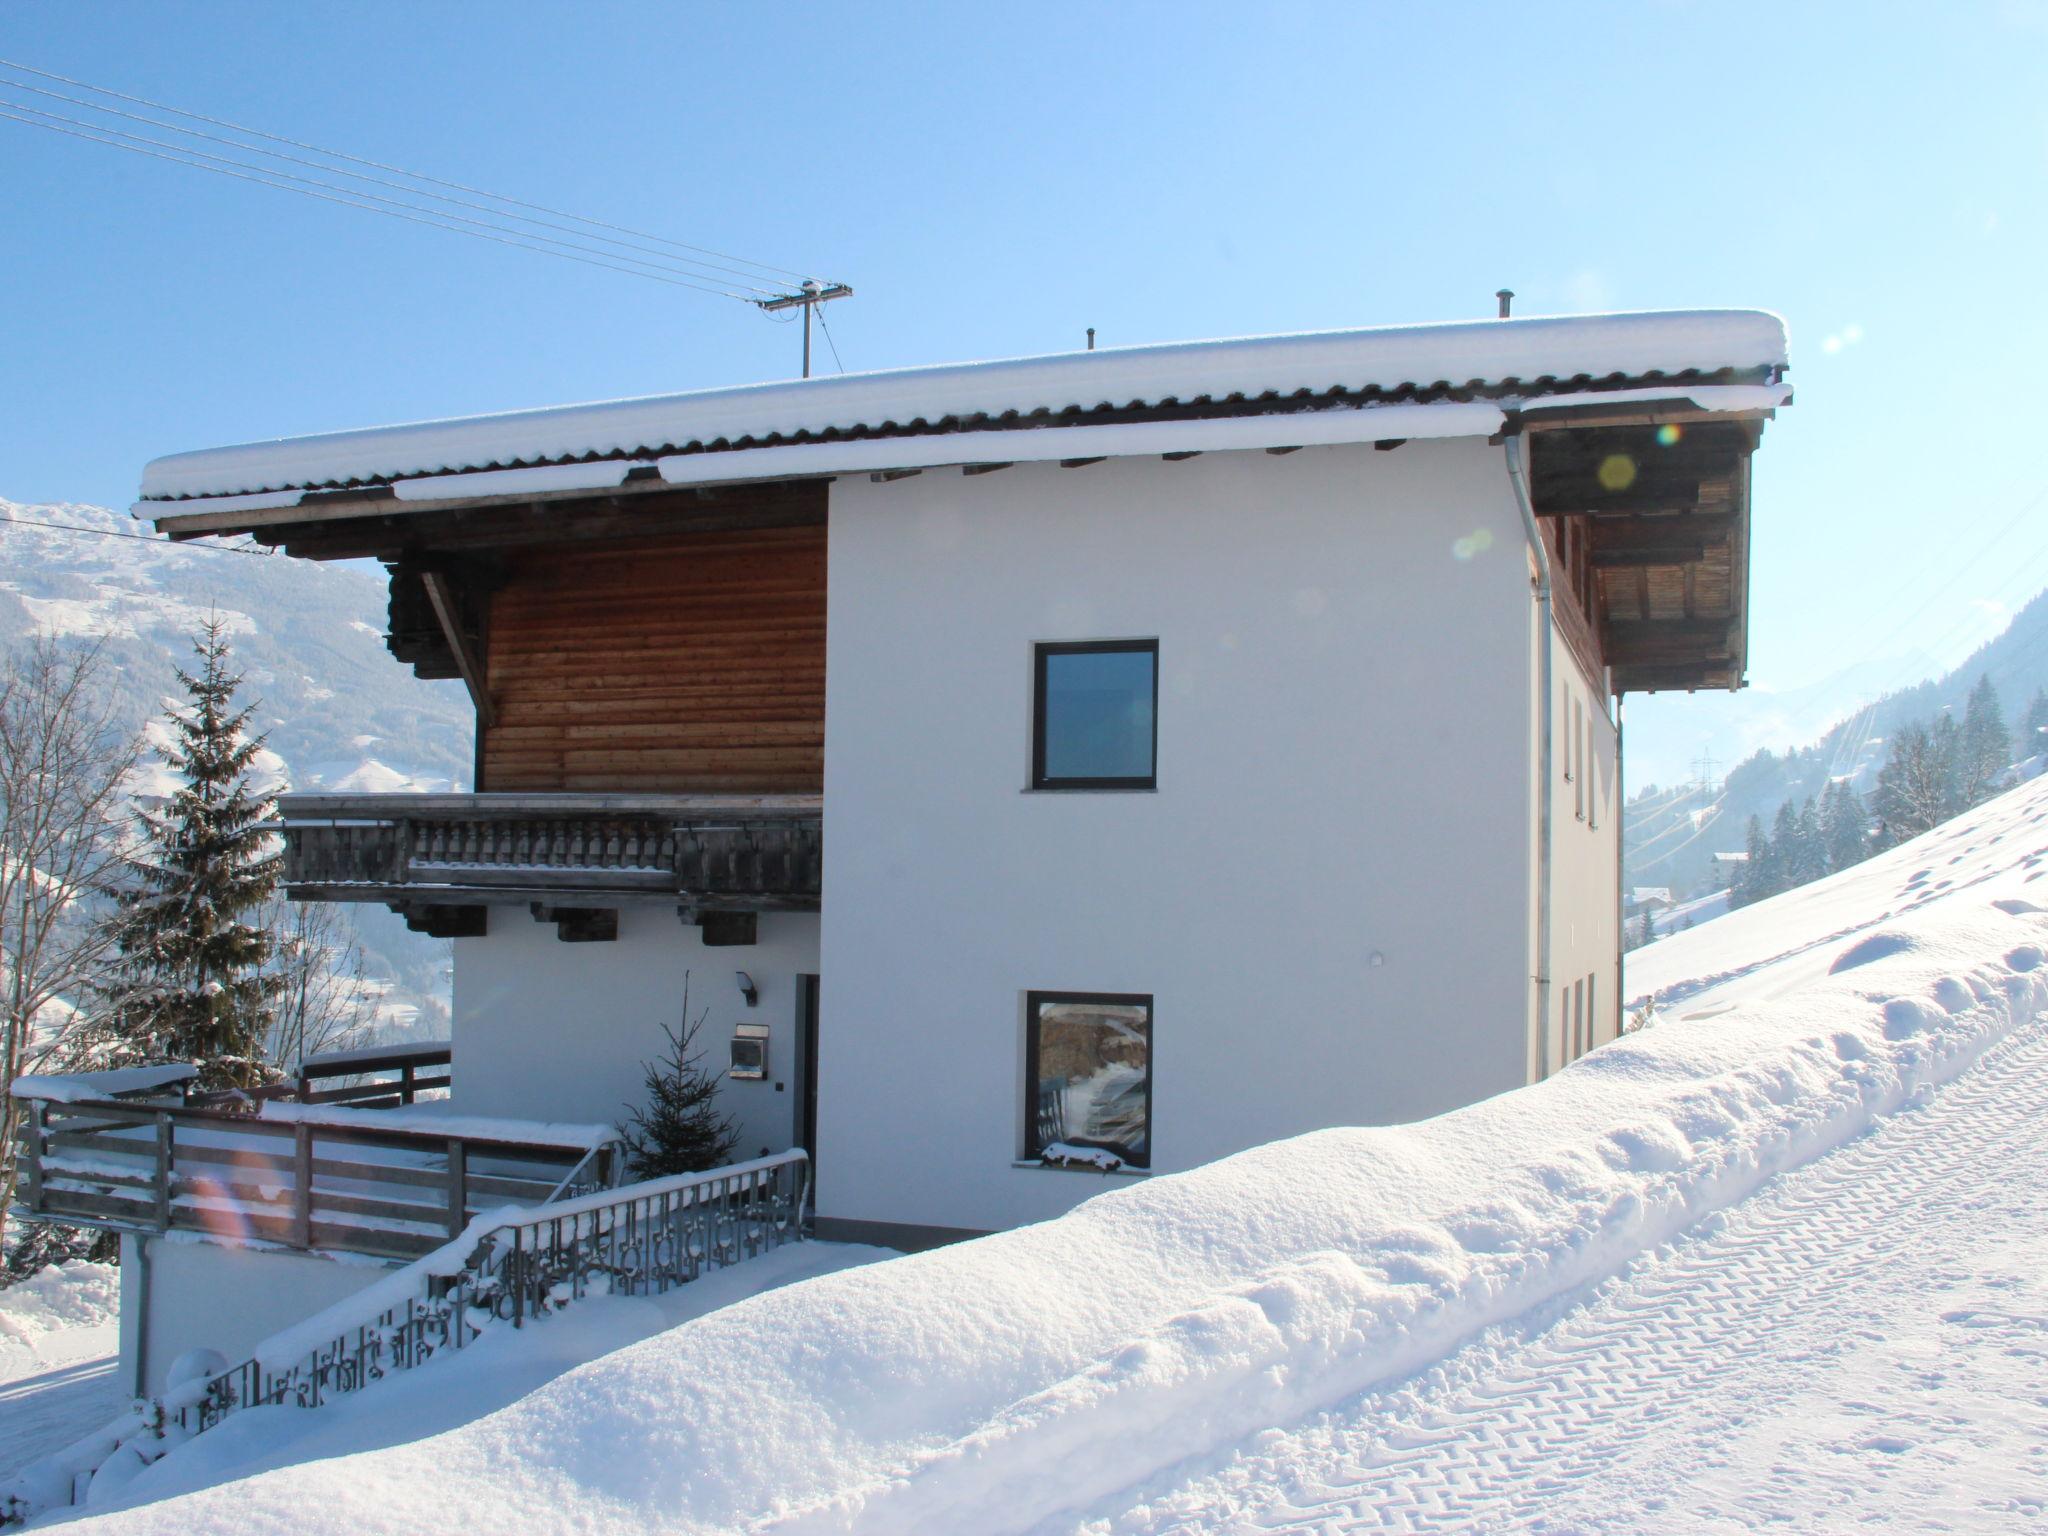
[(1088, 1073)]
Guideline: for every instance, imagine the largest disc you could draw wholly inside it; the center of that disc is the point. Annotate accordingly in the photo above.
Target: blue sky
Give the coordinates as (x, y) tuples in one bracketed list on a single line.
[(993, 180)]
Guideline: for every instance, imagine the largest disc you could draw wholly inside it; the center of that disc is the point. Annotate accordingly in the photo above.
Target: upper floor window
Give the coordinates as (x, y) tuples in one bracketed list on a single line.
[(1095, 715)]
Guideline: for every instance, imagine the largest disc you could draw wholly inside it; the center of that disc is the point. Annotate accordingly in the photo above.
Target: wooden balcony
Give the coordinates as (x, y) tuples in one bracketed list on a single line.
[(437, 857), (134, 1152)]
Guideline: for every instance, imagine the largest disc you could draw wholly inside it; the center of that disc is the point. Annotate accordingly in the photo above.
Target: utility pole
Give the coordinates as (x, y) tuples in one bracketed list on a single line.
[(1703, 768), (810, 294)]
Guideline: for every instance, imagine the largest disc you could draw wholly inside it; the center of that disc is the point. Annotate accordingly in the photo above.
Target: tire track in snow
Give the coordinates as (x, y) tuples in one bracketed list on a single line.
[(1498, 1435)]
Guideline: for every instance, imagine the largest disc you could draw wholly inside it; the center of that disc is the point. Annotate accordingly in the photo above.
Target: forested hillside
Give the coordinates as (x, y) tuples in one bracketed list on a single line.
[(1670, 833)]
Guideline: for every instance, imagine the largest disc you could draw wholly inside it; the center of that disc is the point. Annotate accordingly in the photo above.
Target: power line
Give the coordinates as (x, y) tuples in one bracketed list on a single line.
[(264, 178), (196, 157), (691, 265), (829, 341), (335, 154), (146, 538)]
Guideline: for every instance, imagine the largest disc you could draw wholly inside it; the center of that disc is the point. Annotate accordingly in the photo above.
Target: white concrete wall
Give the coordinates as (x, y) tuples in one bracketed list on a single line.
[(207, 1295), (551, 1031), (1343, 780)]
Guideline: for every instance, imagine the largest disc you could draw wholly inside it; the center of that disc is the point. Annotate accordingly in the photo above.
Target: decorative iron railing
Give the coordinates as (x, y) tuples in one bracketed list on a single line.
[(638, 1240), (726, 851)]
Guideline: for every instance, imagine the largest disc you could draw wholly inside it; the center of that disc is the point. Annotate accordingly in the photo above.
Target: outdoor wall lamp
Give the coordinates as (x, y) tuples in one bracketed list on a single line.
[(747, 988)]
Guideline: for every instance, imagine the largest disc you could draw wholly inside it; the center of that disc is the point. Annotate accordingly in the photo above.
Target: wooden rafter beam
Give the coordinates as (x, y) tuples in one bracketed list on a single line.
[(441, 594), (1708, 642)]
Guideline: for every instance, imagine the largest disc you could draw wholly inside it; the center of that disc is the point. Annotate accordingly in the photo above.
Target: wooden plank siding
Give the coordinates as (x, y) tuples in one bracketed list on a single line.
[(675, 665)]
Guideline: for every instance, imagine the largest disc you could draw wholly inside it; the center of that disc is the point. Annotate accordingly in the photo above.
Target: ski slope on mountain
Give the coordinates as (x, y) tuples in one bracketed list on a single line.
[(1772, 1257)]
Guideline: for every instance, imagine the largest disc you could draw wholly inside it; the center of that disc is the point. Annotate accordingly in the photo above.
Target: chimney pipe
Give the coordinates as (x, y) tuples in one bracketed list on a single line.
[(1091, 338), (1506, 297)]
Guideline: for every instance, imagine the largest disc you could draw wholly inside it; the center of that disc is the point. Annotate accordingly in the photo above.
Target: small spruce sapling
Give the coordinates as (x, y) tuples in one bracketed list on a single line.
[(680, 1129)]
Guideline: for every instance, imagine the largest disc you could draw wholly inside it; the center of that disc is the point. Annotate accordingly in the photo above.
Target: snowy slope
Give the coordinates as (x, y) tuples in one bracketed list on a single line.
[(59, 1334), (1169, 1355), (338, 711)]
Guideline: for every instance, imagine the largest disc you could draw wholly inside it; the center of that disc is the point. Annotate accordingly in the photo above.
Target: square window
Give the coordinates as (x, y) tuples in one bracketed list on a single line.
[(1095, 715), (1088, 1073)]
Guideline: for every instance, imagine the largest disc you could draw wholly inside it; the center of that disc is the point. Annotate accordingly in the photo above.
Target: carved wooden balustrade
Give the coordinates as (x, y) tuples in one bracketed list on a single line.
[(726, 852)]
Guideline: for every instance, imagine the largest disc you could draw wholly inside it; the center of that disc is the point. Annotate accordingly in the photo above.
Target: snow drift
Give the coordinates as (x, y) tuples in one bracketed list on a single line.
[(995, 1385)]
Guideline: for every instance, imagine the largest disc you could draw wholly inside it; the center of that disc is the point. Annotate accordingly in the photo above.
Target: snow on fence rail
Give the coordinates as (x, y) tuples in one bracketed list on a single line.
[(393, 1183), (507, 1266)]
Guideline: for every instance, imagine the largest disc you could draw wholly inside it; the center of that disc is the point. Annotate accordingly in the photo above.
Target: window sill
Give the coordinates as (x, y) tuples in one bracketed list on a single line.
[(1089, 789), (1125, 1172)]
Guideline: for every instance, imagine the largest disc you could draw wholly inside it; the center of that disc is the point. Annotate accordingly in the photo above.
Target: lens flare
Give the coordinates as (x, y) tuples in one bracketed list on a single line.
[(1669, 434), (1617, 472), (1472, 544)]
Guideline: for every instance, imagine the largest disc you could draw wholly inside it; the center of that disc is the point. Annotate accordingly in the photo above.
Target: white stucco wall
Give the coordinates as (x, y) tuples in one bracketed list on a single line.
[(1328, 893), (552, 1031), (1585, 864), (208, 1295)]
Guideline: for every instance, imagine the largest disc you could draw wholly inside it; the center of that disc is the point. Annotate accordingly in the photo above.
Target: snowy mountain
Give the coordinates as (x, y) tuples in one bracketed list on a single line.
[(1779, 1258), (337, 711), (1670, 834)]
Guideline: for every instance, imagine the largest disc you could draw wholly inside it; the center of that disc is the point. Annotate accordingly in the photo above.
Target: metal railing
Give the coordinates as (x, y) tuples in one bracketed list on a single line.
[(637, 1240)]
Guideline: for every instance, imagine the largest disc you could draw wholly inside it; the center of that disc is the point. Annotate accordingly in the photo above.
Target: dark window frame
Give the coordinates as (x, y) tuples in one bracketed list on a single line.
[(1033, 1001), (1049, 648)]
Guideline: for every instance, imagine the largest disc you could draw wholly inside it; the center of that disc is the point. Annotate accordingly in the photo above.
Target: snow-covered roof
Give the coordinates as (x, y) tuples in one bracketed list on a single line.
[(1393, 368)]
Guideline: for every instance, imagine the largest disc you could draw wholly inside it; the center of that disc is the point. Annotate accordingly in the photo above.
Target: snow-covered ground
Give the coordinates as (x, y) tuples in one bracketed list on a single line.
[(59, 1333), (1777, 1258)]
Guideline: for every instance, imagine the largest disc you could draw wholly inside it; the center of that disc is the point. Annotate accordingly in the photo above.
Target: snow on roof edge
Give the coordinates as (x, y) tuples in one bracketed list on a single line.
[(1486, 352)]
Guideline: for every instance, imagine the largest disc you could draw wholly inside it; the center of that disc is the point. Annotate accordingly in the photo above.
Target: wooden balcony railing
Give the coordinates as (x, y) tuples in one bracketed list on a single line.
[(393, 1183), (722, 852)]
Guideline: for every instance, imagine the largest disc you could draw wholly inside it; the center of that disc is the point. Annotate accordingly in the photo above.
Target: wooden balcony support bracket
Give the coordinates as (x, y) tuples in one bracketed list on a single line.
[(580, 925), (444, 922), (469, 661)]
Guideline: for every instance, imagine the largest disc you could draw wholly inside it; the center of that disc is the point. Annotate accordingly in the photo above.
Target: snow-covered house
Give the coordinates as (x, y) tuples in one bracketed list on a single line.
[(1080, 766)]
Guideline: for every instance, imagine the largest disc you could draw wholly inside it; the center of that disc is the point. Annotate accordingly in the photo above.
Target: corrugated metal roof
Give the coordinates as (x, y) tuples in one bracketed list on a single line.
[(1475, 359)]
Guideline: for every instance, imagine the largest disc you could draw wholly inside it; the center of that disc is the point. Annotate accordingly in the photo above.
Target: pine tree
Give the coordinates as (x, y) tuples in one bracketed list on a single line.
[(1986, 746), (1912, 787), (2034, 723), (1945, 744), (1807, 859), (1785, 858), (1758, 870), (679, 1129), (189, 983), (1844, 825)]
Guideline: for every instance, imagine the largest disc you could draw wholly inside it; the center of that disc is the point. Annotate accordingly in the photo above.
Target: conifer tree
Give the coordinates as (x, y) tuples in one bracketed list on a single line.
[(1912, 787), (1986, 746), (1784, 847), (2033, 724), (1806, 860), (1945, 744), (680, 1128), (189, 983), (1755, 881), (1844, 825)]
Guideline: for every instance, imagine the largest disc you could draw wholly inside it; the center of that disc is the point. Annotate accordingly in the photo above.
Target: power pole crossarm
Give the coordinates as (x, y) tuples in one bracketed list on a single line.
[(809, 296)]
